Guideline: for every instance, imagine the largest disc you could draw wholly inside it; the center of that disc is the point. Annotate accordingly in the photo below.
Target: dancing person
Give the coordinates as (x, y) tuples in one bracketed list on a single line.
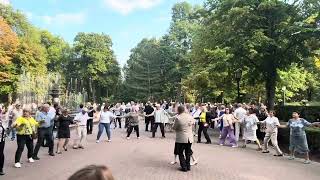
[(2, 144), (64, 122), (90, 120), (106, 117), (298, 137), (149, 118), (228, 129), (81, 129), (204, 123), (13, 115), (271, 123), (117, 112), (133, 118), (184, 137), (160, 117), (196, 113), (250, 130), (92, 172), (45, 120), (240, 114), (26, 128)]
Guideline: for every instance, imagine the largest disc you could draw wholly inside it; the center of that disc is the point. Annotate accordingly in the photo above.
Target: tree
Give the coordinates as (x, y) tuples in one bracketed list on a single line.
[(94, 63), (261, 37), (8, 47)]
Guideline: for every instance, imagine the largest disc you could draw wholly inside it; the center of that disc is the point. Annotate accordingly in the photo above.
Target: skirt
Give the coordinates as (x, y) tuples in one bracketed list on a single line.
[(63, 134), (299, 144)]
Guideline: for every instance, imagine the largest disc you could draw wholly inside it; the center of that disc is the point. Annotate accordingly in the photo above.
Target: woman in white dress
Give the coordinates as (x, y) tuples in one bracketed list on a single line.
[(250, 129)]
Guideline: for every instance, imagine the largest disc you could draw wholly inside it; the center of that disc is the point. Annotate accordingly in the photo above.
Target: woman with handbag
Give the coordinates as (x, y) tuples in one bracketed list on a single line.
[(26, 132)]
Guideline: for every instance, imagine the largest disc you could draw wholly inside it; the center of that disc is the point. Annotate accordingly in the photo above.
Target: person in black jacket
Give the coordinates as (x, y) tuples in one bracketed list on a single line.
[(2, 143)]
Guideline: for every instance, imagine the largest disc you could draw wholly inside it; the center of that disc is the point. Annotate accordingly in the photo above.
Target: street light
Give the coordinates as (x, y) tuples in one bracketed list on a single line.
[(284, 94), (238, 75)]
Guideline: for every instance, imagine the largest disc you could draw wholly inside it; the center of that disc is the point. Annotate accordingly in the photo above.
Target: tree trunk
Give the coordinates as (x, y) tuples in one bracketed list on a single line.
[(271, 88)]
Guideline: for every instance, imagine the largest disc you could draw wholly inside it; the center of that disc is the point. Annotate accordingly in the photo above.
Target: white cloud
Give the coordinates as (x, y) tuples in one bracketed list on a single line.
[(127, 6), (5, 2), (65, 18)]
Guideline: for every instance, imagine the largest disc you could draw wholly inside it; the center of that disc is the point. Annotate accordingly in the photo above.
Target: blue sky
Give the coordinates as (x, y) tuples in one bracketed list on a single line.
[(126, 21)]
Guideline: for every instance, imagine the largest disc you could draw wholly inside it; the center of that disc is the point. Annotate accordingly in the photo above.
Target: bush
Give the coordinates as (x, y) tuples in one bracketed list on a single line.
[(313, 135)]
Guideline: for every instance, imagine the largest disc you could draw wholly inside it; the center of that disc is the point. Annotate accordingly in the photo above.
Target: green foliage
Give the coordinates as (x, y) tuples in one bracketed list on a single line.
[(93, 61)]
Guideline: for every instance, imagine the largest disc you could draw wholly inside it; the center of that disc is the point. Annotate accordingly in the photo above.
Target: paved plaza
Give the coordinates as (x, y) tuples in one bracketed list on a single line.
[(148, 159)]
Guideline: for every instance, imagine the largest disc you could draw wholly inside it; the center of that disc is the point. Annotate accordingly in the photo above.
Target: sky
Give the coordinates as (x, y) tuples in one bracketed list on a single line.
[(127, 22)]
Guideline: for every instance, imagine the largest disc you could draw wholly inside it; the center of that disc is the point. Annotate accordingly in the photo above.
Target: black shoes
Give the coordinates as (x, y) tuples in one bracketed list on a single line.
[(2, 173), (184, 169), (51, 154), (36, 158), (208, 142), (278, 155)]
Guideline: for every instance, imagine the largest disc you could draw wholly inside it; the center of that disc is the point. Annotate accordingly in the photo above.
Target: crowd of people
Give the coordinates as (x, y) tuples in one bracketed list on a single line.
[(251, 122)]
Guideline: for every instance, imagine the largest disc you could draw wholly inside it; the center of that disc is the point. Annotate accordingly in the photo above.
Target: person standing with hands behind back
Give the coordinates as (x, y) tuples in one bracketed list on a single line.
[(184, 137)]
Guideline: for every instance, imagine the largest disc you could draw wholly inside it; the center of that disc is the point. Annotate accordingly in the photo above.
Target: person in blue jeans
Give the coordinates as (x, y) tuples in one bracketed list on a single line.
[(105, 119)]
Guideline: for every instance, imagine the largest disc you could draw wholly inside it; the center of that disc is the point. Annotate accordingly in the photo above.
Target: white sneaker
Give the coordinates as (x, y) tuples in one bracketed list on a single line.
[(234, 146), (194, 163), (17, 165), (109, 140), (173, 162), (128, 138), (97, 141), (221, 144), (30, 160), (138, 137)]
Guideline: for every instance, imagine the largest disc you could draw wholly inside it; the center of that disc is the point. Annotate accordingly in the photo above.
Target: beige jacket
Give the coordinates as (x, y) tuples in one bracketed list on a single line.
[(183, 127)]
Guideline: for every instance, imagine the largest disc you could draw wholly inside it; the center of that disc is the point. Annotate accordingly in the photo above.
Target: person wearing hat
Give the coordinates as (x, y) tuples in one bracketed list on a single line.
[(13, 115), (26, 128), (81, 131), (46, 121)]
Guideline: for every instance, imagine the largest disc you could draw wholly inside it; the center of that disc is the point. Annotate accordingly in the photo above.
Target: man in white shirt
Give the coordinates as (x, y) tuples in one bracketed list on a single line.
[(196, 113), (81, 121), (106, 118), (240, 114), (272, 124)]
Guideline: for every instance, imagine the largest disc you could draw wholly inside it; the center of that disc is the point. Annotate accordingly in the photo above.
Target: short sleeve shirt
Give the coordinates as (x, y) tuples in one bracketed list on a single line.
[(271, 124), (297, 127), (26, 126)]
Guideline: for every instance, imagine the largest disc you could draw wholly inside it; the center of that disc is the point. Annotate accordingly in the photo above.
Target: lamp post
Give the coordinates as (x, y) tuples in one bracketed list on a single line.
[(238, 75), (284, 94)]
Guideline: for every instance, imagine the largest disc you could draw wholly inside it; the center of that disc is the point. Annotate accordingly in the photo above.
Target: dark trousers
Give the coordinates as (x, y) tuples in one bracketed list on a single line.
[(89, 126), (155, 127), (23, 140), (119, 121), (204, 130), (149, 120), (44, 133), (184, 153), (1, 155), (130, 128)]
